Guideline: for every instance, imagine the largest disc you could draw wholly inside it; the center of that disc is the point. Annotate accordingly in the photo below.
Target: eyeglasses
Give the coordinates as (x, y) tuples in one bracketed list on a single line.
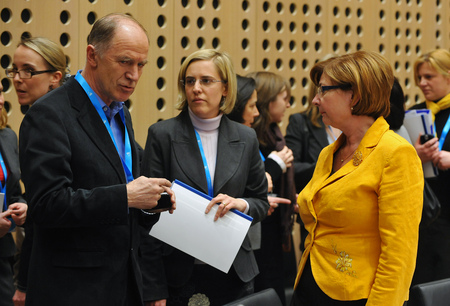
[(321, 90), (205, 82), (24, 73)]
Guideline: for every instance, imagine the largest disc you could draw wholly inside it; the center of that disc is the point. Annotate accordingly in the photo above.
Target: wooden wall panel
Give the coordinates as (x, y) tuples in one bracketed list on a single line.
[(282, 36)]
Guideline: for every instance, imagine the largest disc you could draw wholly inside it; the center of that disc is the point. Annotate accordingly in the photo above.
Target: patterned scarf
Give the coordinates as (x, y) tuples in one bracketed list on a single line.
[(436, 107)]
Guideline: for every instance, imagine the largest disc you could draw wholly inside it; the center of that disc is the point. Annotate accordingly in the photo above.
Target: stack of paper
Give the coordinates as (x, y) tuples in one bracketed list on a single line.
[(192, 231), (419, 122)]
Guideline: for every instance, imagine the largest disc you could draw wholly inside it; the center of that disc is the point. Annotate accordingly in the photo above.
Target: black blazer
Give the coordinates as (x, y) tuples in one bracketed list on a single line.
[(85, 237), (8, 147), (306, 141), (172, 152)]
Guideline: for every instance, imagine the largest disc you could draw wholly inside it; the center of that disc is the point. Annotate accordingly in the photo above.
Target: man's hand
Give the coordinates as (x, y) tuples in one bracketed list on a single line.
[(144, 192)]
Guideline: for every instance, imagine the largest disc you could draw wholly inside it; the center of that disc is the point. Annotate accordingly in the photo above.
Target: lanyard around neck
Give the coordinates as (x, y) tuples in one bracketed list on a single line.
[(127, 163), (5, 174), (444, 133), (205, 164)]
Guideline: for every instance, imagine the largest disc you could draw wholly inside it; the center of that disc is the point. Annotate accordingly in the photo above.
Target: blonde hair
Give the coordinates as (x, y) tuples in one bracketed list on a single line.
[(368, 74), (439, 59), (225, 69), (50, 51)]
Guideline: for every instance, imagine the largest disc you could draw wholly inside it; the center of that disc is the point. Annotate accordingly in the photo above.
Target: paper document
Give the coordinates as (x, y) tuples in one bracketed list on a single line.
[(192, 231), (419, 121)]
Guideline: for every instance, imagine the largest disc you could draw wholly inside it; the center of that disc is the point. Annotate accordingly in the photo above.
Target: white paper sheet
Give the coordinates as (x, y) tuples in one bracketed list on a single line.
[(192, 231), (419, 121)]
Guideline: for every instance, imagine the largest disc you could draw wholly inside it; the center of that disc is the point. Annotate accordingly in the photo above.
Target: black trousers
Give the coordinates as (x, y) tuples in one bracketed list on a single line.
[(433, 254), (6, 281), (208, 283), (308, 293)]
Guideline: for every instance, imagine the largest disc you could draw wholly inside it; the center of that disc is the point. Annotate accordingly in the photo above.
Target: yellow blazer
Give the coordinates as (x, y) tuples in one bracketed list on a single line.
[(363, 220)]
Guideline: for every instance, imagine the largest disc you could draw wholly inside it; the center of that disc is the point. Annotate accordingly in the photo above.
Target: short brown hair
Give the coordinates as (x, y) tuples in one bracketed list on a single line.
[(367, 73), (104, 29)]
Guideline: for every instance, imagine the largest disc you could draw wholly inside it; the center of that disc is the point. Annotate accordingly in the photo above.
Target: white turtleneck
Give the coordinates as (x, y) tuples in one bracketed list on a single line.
[(208, 129)]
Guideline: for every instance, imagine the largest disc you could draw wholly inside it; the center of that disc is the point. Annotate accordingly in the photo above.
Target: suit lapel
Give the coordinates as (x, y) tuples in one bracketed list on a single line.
[(319, 134), (187, 153), (93, 125), (229, 154), (367, 145)]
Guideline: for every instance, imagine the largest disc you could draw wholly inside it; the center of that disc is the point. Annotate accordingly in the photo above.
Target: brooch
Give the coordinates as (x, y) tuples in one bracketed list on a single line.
[(198, 299), (357, 158)]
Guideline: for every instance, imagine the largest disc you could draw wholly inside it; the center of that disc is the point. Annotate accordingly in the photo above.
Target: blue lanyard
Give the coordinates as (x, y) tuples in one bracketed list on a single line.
[(5, 205), (444, 133), (127, 163), (262, 156), (5, 174), (205, 163)]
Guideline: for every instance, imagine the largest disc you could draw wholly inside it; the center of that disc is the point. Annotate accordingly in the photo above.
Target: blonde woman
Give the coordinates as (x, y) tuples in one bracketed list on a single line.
[(204, 149), (432, 75)]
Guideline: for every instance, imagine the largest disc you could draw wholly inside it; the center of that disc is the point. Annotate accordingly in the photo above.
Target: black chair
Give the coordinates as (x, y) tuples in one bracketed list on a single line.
[(436, 293), (267, 297)]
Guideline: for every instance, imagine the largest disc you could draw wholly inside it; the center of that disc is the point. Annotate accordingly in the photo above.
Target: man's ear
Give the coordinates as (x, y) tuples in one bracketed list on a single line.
[(91, 56)]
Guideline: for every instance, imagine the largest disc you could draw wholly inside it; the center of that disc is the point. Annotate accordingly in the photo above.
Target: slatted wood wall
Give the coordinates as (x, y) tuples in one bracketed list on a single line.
[(282, 36)]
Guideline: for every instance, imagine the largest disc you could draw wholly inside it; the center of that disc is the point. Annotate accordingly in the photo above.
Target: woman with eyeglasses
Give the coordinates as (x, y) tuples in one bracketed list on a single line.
[(39, 66), (217, 156), (13, 208), (363, 205), (432, 76)]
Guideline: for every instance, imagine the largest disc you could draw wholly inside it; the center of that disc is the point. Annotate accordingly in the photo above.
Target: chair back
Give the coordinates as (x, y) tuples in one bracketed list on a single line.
[(267, 297), (436, 293)]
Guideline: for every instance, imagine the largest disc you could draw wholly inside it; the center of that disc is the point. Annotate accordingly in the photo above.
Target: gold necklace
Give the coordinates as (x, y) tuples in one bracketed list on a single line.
[(342, 159)]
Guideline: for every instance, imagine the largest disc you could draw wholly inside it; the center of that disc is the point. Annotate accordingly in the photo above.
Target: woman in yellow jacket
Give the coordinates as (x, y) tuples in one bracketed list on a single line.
[(363, 205)]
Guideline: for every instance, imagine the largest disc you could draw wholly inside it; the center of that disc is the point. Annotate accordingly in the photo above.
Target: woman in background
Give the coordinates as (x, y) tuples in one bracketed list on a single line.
[(39, 65), (273, 93), (362, 207), (432, 75), (14, 209), (217, 156)]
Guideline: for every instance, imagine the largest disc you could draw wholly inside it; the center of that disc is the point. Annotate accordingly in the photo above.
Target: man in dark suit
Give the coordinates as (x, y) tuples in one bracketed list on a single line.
[(78, 159)]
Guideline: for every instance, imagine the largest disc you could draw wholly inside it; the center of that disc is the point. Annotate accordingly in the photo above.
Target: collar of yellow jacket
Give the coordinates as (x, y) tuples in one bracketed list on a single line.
[(436, 107), (371, 138)]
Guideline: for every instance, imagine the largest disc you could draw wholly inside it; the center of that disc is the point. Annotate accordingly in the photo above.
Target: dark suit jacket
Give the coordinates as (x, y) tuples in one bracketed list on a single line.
[(172, 152), (85, 237), (306, 141), (8, 147)]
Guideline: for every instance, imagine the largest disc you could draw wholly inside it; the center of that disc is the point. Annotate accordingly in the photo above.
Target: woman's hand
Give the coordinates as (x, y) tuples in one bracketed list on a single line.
[(286, 155), (274, 201), (19, 298), (269, 182), (442, 160), (226, 203), (5, 224), (427, 151), (18, 212)]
